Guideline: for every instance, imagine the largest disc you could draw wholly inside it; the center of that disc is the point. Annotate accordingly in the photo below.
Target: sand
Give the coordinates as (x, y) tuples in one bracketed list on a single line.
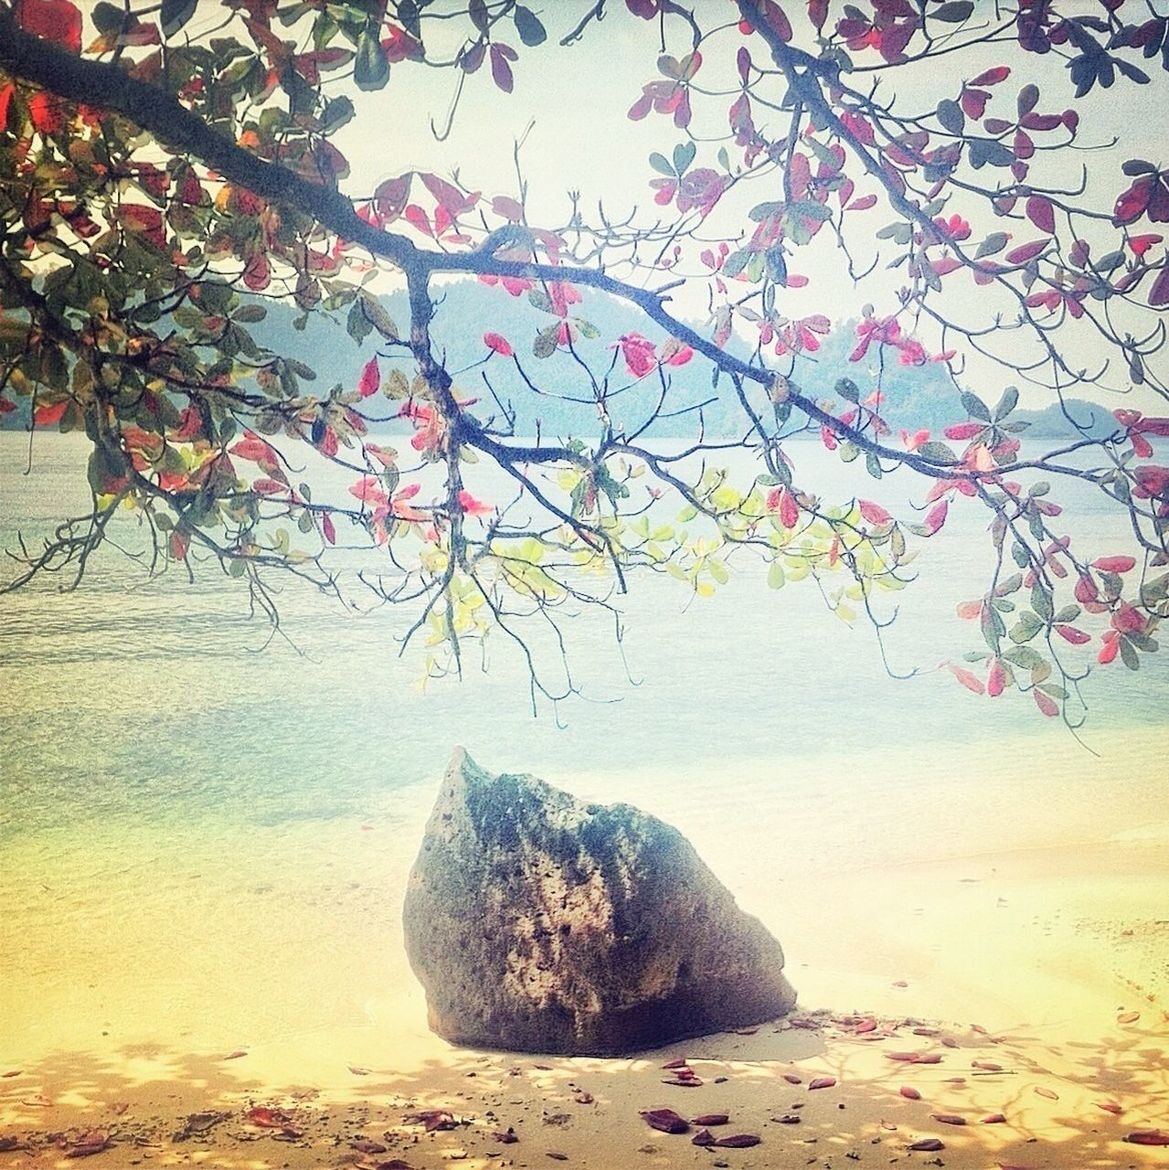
[(240, 999)]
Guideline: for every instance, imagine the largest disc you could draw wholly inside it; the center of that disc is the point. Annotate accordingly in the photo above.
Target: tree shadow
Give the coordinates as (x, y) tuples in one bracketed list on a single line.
[(815, 1088)]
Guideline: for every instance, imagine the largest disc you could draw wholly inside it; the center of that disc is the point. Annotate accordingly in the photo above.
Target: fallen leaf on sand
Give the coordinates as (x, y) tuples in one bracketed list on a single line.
[(681, 1062), (1110, 1107), (1128, 1017), (822, 1083), (915, 1057), (711, 1119), (690, 1082), (557, 1156), (358, 1071), (1148, 1137), (954, 1081), (986, 1065), (702, 1138), (900, 983), (928, 1144), (1043, 1091), (92, 1142), (12, 1072), (365, 1146), (267, 1118), (788, 1119), (199, 1124), (910, 1092), (949, 1118), (792, 1079), (949, 1041), (665, 1120), (236, 1054), (992, 1119), (40, 1101), (746, 1031), (739, 1141)]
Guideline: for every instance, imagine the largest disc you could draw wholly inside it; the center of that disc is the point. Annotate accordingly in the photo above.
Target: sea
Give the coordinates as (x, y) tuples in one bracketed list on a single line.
[(175, 782)]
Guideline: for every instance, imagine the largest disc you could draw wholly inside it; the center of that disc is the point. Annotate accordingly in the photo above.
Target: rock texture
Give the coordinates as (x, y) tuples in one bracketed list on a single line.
[(538, 923)]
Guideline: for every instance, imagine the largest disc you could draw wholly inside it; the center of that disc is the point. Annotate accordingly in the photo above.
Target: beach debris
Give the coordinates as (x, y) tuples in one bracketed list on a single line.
[(792, 1079), (557, 1156), (117, 1108), (788, 1119), (665, 1120), (928, 1145), (954, 1081), (366, 1146), (915, 1057), (507, 1136), (432, 1120), (738, 1141), (909, 1092), (986, 1065), (705, 1119), (268, 1118), (358, 1070), (391, 1164), (92, 1141), (949, 1041), (822, 1083), (235, 1054), (923, 1030), (39, 1101), (1128, 1017), (1044, 1091), (12, 1072), (584, 1098), (900, 983), (992, 1119), (698, 964), (1110, 1107), (199, 1125), (454, 1155), (690, 1082), (1148, 1137), (949, 1118), (702, 1138), (680, 1062)]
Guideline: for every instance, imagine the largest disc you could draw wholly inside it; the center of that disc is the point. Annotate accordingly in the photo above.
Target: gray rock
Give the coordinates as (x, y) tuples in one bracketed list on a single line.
[(538, 923)]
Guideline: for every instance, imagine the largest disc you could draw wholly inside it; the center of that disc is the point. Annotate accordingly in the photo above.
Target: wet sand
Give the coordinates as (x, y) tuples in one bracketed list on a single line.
[(236, 996)]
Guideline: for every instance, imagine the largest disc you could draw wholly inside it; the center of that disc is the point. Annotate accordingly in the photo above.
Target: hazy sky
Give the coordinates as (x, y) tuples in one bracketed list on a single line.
[(575, 100)]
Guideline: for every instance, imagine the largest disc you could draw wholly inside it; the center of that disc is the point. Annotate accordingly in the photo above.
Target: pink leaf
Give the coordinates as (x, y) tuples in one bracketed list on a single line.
[(937, 516), (370, 378), (1041, 213), (328, 529), (1114, 564), (501, 70), (969, 680), (498, 343), (873, 513), (1048, 706), (1026, 252)]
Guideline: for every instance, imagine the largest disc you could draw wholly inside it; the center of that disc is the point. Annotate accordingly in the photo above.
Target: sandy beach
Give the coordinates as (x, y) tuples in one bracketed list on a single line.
[(983, 978)]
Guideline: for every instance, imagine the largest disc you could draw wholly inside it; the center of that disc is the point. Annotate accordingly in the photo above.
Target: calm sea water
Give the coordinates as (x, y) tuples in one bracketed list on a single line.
[(152, 699)]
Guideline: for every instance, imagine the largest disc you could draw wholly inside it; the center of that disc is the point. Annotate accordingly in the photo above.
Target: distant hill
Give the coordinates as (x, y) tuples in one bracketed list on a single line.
[(916, 397)]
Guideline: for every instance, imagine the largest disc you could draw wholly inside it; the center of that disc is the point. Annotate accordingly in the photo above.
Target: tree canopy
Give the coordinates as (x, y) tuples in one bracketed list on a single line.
[(842, 196)]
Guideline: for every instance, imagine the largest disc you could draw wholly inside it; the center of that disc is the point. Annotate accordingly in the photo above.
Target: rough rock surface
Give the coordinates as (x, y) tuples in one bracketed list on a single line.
[(538, 923)]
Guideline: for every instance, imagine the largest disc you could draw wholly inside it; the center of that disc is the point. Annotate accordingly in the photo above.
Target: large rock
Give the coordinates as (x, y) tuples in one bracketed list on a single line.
[(538, 923)]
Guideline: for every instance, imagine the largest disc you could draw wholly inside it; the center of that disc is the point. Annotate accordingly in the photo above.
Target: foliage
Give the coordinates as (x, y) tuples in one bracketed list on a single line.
[(169, 177)]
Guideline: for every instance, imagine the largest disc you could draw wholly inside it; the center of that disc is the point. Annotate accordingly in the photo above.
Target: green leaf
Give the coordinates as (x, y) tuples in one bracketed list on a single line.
[(1041, 602), (1007, 403), (1025, 657), (174, 14), (953, 12), (357, 324), (1128, 655), (684, 154), (1027, 626), (545, 343), (993, 243), (847, 388), (950, 115), (937, 452), (660, 163), (975, 407), (371, 69), (775, 576), (529, 26)]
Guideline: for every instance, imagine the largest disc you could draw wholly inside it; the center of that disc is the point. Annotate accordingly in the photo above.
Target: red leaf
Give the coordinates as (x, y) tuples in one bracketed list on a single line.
[(1159, 293), (50, 414), (966, 430), (873, 513), (789, 510), (179, 543), (996, 678), (1048, 706), (1026, 252), (910, 1093), (777, 19), (1041, 213), (370, 379), (822, 1083), (937, 516), (862, 204), (54, 20), (1071, 634), (1114, 564), (498, 343), (501, 70), (418, 219), (1148, 1137), (328, 529), (992, 76), (971, 682)]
